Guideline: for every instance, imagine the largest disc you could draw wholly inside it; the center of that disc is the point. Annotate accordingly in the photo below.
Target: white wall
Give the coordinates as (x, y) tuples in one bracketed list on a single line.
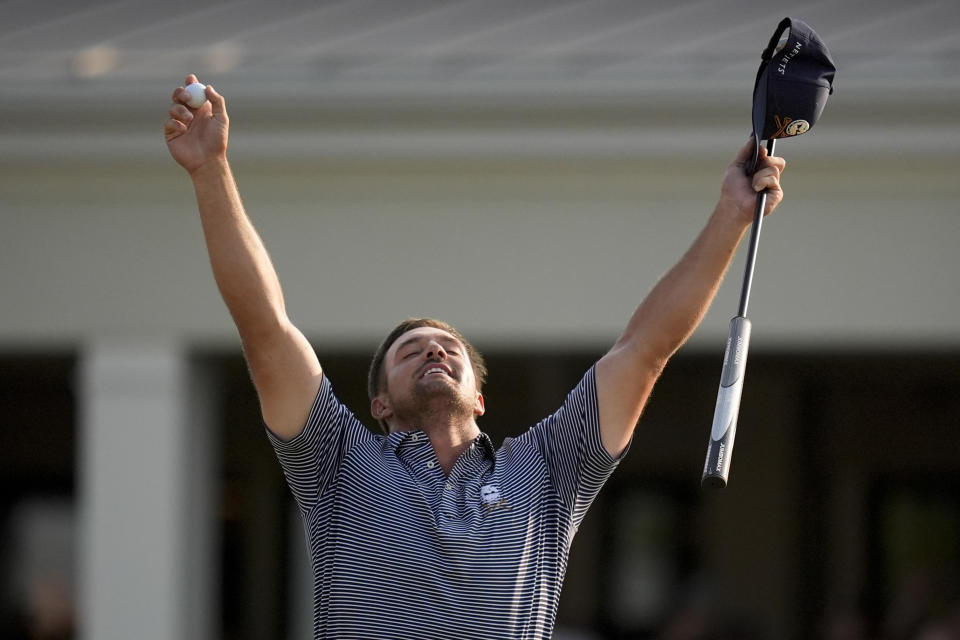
[(537, 223)]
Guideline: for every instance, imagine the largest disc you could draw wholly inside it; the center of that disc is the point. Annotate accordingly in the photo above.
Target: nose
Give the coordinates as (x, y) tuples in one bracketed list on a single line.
[(435, 350)]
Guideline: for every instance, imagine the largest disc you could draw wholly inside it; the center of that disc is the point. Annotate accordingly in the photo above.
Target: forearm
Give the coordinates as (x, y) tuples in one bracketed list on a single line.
[(674, 308), (241, 266)]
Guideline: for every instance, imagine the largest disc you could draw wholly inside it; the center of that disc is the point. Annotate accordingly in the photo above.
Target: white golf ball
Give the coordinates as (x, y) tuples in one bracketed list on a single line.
[(198, 95)]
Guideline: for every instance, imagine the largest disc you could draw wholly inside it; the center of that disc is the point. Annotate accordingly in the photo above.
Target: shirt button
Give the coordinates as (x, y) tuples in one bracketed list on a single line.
[(448, 486), (415, 437), (431, 464)]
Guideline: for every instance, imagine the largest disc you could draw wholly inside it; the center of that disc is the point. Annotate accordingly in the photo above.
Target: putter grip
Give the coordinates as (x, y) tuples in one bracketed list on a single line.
[(724, 430)]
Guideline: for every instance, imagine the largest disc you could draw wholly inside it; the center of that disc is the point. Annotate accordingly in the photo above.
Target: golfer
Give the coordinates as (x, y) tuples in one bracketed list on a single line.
[(429, 530)]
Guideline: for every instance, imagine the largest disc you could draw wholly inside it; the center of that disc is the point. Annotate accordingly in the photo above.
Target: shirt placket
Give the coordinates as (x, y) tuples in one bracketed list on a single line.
[(418, 455)]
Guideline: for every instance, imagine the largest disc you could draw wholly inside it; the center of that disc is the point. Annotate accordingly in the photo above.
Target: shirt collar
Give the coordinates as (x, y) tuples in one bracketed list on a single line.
[(405, 439), (485, 444), (416, 437)]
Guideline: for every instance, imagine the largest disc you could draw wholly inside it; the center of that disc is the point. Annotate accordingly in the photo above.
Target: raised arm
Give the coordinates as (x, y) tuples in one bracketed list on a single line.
[(676, 305), (283, 365)]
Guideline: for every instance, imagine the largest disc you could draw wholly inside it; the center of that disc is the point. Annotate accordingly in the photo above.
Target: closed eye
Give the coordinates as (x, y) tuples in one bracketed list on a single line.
[(452, 347)]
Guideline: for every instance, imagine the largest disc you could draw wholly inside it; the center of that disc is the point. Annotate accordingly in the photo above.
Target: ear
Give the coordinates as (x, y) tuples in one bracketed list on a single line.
[(478, 407), (380, 408)]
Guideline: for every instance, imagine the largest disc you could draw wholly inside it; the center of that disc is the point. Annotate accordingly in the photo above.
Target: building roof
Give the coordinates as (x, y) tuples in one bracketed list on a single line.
[(388, 47)]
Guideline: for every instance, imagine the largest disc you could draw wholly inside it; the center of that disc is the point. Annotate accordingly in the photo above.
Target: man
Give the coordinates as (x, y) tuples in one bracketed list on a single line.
[(429, 531)]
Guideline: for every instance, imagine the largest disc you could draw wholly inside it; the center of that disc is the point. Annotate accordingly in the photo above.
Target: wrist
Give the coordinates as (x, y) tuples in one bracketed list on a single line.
[(211, 168), (730, 214)]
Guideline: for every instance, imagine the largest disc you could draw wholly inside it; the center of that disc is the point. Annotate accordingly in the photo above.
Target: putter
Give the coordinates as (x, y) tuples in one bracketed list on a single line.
[(793, 83)]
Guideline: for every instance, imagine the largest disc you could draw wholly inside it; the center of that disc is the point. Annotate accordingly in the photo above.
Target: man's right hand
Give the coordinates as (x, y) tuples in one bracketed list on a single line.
[(196, 136)]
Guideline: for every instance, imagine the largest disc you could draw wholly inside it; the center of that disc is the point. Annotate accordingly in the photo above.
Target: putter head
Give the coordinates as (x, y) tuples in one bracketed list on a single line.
[(793, 82)]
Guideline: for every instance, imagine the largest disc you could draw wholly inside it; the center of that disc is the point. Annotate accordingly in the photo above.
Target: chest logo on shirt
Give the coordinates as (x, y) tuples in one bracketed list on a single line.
[(490, 498)]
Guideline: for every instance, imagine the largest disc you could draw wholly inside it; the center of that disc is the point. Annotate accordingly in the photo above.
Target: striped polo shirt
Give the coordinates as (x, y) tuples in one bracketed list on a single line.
[(400, 550)]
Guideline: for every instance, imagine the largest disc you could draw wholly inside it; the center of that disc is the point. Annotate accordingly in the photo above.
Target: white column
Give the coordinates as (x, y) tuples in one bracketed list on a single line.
[(145, 494)]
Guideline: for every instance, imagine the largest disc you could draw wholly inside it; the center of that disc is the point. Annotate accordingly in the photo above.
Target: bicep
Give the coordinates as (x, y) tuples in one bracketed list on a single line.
[(625, 379), (287, 376)]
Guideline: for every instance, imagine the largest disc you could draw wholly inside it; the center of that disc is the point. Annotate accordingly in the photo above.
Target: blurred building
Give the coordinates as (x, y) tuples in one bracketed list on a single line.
[(525, 171)]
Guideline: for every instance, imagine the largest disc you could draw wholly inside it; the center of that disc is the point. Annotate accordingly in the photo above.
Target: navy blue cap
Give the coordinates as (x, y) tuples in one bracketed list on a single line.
[(793, 82)]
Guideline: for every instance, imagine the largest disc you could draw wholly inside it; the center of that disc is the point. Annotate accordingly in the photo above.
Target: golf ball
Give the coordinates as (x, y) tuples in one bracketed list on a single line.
[(198, 95)]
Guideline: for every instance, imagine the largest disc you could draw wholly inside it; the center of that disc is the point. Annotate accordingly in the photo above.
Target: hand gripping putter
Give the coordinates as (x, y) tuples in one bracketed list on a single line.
[(793, 82)]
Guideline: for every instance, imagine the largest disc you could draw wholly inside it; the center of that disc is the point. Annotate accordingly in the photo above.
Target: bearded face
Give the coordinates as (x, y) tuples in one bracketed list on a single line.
[(428, 375)]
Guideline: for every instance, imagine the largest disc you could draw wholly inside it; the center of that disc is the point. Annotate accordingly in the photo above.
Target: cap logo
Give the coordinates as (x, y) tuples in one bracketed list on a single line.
[(797, 127), (789, 127)]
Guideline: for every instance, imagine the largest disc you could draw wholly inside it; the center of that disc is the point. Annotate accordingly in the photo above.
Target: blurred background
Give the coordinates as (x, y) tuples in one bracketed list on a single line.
[(526, 171)]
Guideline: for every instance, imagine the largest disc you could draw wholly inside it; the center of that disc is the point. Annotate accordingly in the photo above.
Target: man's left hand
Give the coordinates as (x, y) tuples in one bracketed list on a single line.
[(738, 194)]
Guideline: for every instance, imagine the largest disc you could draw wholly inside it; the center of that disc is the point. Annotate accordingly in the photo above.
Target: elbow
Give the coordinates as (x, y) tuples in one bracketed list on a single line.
[(262, 332), (647, 354), (640, 359)]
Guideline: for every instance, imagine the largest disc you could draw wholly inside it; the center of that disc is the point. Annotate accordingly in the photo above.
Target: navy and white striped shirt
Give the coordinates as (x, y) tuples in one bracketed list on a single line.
[(399, 550)]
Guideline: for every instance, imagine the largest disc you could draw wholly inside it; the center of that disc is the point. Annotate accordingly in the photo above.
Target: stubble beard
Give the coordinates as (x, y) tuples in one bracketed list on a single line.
[(431, 402)]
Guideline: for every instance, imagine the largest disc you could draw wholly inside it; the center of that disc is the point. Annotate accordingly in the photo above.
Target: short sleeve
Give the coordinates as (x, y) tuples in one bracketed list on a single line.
[(569, 441), (311, 459)]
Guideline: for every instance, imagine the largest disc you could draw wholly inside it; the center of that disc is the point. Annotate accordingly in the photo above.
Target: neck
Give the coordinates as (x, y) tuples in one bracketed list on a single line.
[(448, 444), (449, 436)]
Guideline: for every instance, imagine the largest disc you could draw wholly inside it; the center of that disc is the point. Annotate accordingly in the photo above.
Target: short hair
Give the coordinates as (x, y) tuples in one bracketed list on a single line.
[(376, 378)]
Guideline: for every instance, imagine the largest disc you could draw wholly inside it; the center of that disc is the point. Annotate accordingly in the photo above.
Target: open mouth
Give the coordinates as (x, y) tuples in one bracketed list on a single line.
[(436, 370)]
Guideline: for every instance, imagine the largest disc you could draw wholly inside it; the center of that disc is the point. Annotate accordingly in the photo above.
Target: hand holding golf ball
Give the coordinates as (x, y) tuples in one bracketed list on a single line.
[(198, 95), (196, 132)]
